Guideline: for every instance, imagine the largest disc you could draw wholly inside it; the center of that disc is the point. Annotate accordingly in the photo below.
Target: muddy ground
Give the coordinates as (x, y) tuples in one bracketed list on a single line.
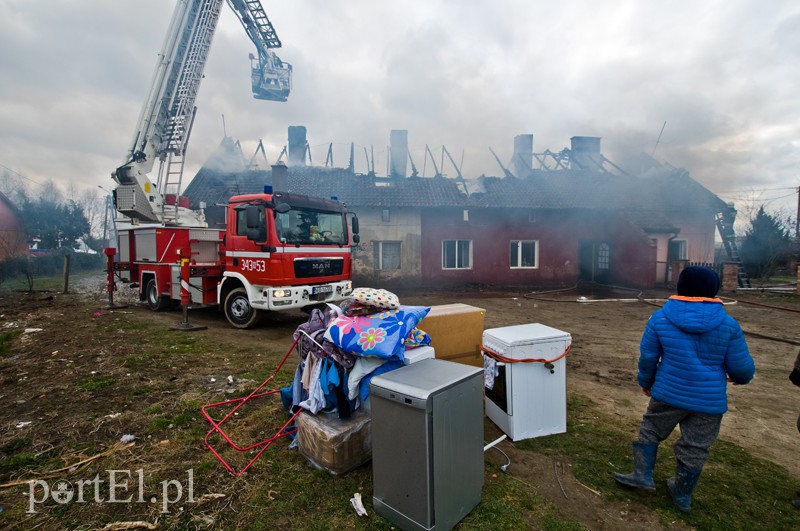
[(80, 342)]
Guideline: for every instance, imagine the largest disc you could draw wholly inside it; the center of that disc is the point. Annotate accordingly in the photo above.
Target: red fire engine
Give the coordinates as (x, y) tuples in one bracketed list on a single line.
[(278, 250)]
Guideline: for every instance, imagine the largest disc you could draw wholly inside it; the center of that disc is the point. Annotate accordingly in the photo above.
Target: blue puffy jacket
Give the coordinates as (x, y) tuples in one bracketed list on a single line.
[(688, 348)]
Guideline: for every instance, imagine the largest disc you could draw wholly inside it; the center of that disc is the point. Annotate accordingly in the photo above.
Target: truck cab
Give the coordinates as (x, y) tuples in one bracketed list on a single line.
[(284, 251)]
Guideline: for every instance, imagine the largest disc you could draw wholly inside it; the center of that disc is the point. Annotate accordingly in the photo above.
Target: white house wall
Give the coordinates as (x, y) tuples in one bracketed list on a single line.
[(699, 231), (404, 226)]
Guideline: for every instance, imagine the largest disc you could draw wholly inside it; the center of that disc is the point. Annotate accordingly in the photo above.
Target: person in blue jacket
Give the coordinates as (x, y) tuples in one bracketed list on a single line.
[(690, 349), (794, 376)]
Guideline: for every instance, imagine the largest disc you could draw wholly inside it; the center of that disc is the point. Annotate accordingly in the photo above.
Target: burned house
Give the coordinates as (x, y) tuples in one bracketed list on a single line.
[(557, 218)]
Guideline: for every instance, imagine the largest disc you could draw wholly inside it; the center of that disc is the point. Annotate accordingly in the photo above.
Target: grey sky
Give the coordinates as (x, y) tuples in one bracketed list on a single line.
[(467, 75)]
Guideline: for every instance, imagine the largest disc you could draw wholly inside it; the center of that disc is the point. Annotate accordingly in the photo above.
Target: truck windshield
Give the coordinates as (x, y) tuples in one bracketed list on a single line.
[(303, 226)]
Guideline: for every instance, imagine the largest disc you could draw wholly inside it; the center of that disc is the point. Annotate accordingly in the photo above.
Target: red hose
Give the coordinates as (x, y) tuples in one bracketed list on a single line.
[(499, 357)]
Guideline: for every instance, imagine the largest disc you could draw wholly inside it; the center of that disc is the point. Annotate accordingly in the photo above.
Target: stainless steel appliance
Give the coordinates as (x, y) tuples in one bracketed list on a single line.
[(427, 443)]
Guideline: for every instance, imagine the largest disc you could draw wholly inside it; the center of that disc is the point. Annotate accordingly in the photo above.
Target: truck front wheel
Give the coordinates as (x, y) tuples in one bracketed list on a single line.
[(155, 301), (238, 310)]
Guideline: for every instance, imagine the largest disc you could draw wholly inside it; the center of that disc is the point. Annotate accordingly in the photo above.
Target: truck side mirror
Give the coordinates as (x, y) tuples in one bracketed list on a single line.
[(356, 238), (257, 235)]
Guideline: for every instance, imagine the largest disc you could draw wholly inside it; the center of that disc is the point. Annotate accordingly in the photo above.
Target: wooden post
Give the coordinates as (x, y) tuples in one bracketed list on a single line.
[(798, 279), (66, 273)]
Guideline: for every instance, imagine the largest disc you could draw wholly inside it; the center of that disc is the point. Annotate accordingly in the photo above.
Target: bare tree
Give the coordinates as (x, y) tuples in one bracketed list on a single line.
[(93, 205), (12, 186)]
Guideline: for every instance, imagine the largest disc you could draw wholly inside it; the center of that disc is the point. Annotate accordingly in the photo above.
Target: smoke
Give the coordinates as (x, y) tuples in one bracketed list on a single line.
[(467, 77)]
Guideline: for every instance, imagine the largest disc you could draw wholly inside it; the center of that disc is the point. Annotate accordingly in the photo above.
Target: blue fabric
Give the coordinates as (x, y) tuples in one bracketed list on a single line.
[(379, 335), (363, 386), (293, 394), (687, 350), (417, 338), (329, 380)]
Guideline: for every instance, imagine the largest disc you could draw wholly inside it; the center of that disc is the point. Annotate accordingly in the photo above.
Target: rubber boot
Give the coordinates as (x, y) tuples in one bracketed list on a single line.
[(644, 459), (682, 485)]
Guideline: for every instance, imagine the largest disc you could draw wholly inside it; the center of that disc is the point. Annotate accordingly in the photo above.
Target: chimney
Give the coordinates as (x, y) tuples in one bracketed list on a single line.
[(522, 162), (586, 152), (280, 178), (297, 145), (398, 149)]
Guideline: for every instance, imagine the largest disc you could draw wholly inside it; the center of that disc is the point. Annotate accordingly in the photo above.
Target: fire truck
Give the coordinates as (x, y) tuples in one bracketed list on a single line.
[(277, 251)]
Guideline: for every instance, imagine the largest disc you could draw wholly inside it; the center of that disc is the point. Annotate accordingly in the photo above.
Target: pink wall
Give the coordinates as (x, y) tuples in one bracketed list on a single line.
[(559, 234), (12, 235)]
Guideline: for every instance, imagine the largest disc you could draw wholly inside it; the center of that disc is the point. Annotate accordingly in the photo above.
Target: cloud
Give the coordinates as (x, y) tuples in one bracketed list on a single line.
[(467, 76)]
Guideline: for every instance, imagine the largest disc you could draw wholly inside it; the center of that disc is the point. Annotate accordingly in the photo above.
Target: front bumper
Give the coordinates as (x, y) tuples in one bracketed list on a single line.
[(278, 298)]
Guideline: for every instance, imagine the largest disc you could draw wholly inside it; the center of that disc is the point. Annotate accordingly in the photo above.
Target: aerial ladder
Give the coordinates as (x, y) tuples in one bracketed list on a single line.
[(165, 123)]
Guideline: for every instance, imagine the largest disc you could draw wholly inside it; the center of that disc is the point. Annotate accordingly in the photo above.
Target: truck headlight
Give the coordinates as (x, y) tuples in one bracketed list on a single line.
[(281, 293)]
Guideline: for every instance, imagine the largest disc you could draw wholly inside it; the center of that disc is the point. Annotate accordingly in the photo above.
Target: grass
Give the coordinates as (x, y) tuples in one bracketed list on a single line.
[(6, 338), (95, 383), (46, 283), (731, 494), (736, 490), (282, 491), (17, 455), (187, 415)]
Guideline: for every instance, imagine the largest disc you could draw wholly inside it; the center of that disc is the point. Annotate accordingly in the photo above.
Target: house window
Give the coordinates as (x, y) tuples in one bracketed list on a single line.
[(523, 254), (386, 255), (385, 215), (678, 250), (456, 254)]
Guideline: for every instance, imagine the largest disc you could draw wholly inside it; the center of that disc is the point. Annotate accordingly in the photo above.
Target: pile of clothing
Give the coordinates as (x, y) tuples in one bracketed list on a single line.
[(343, 347)]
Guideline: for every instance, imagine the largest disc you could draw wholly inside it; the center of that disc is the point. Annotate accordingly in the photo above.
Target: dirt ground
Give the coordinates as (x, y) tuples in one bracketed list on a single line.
[(606, 327)]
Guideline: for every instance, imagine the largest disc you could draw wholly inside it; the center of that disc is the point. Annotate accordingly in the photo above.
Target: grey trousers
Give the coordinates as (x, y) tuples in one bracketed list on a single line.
[(698, 431)]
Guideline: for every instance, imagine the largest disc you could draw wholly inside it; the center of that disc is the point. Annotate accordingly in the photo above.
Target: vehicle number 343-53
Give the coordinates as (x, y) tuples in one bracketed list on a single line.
[(258, 266)]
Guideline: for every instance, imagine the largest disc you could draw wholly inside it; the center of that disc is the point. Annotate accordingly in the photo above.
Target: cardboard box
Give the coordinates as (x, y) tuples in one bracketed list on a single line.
[(456, 332), (475, 359), (333, 444)]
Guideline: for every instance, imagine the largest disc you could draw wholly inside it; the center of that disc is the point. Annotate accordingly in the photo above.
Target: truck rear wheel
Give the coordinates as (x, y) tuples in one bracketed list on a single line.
[(155, 301), (238, 310)]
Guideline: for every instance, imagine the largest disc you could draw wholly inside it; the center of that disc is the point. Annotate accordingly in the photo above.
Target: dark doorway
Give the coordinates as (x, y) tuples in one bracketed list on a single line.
[(595, 261)]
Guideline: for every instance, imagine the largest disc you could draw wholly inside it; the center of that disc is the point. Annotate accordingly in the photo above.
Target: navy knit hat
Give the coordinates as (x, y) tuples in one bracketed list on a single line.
[(696, 281)]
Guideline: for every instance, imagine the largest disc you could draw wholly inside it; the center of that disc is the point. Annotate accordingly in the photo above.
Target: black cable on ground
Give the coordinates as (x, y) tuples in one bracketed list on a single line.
[(534, 295), (769, 306)]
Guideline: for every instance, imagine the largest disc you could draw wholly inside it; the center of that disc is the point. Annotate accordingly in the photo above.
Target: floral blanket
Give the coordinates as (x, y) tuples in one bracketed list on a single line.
[(380, 335)]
